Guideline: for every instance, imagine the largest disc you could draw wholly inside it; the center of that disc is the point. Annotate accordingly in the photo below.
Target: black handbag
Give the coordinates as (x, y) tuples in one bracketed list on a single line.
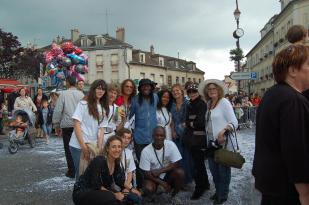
[(229, 158)]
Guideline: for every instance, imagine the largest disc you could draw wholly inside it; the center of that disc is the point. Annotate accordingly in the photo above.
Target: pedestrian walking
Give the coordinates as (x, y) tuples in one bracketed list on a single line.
[(62, 119), (45, 118), (24, 101), (281, 158)]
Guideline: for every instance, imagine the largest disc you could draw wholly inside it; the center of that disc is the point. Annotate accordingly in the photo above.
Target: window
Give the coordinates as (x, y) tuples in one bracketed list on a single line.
[(114, 59), (142, 58), (176, 64), (99, 41), (142, 75), (161, 61), (183, 80), (84, 42), (169, 80), (162, 79), (177, 79), (152, 77), (99, 60)]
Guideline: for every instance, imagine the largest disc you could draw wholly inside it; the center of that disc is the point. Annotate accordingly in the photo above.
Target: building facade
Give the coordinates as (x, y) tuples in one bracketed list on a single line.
[(114, 60), (260, 57)]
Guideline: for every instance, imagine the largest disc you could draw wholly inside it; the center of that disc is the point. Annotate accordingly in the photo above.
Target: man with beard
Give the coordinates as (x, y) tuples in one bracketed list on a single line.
[(160, 162)]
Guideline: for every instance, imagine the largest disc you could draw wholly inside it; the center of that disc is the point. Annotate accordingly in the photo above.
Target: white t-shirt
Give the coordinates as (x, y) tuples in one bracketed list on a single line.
[(149, 160), (113, 121), (89, 125), (127, 161), (164, 119)]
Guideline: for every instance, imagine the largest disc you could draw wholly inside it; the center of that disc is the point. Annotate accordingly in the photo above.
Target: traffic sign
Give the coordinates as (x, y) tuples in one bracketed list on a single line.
[(243, 75)]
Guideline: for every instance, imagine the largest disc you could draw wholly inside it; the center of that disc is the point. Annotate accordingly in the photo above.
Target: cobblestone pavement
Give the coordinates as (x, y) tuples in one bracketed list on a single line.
[(36, 177)]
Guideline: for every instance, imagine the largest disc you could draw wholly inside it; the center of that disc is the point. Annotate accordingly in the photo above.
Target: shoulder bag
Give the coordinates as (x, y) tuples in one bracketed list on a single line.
[(229, 158)]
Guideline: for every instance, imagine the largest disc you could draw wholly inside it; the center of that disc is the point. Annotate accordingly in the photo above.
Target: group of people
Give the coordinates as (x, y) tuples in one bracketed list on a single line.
[(123, 142)]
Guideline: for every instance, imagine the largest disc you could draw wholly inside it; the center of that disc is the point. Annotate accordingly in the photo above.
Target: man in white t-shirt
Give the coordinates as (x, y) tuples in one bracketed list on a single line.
[(160, 162)]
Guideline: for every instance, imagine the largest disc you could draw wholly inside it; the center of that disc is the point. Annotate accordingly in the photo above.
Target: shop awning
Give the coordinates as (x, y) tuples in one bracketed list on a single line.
[(9, 85)]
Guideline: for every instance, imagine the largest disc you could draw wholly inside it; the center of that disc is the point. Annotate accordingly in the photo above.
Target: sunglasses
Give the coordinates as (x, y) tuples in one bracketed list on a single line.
[(192, 91)]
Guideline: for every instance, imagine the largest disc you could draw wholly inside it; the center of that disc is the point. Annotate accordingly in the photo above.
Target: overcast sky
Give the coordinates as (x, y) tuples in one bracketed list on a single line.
[(200, 30)]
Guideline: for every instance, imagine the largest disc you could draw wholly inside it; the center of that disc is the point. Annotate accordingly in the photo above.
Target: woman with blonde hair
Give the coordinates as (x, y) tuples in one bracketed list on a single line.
[(220, 118), (179, 111)]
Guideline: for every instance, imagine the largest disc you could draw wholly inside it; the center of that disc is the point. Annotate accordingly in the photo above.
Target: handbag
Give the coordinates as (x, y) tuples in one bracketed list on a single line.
[(229, 158)]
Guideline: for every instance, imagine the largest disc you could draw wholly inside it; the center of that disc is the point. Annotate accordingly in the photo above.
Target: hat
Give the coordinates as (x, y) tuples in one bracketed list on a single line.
[(192, 86), (219, 83), (145, 81)]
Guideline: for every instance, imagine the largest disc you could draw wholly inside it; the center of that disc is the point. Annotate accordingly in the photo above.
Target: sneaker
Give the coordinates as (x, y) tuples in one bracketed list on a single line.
[(197, 194)]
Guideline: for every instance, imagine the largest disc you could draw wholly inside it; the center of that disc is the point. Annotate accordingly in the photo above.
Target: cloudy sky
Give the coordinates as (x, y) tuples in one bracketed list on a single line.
[(200, 30)]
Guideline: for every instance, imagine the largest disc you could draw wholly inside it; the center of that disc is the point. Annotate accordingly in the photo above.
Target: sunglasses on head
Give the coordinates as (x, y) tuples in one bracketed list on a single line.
[(192, 91)]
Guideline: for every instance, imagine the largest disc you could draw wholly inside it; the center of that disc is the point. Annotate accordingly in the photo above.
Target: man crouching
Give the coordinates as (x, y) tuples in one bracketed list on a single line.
[(159, 161)]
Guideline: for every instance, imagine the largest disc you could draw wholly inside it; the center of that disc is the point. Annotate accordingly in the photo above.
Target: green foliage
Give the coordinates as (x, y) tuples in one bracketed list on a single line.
[(236, 54)]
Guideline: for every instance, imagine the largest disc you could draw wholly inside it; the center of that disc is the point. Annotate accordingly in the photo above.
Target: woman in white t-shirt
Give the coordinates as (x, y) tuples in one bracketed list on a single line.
[(89, 122), (164, 116), (114, 120), (127, 160)]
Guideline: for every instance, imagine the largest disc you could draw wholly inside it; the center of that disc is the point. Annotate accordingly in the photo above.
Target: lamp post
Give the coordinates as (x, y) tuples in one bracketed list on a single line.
[(237, 34)]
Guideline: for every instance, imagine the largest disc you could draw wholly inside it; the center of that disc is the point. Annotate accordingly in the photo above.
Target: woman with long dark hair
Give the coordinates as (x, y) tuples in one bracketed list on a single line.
[(89, 122), (104, 179), (164, 116)]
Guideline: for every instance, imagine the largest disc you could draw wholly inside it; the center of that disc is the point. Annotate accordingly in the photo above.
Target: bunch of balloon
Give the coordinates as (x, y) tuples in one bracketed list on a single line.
[(65, 60)]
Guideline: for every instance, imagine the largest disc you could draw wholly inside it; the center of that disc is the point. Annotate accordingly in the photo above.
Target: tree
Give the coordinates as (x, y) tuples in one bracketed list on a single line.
[(236, 54), (27, 64), (16, 61), (9, 49)]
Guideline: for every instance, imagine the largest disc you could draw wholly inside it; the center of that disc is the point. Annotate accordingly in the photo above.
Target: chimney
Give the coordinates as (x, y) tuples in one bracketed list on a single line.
[(152, 50), (58, 39), (120, 34), (74, 34)]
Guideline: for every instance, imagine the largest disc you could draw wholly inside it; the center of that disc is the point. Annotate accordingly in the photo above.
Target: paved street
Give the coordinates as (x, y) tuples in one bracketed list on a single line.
[(36, 176)]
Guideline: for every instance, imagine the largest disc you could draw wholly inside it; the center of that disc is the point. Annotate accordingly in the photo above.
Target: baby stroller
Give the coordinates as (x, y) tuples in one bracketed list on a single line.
[(20, 133)]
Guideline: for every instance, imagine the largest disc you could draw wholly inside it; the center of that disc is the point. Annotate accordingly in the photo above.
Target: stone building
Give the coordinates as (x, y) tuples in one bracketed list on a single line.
[(260, 57)]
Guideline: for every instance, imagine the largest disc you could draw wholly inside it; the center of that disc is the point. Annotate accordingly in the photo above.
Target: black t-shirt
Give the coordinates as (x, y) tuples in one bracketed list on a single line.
[(282, 142)]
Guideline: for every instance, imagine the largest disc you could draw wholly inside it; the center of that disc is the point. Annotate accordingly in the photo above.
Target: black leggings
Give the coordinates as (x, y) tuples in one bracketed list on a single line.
[(95, 197)]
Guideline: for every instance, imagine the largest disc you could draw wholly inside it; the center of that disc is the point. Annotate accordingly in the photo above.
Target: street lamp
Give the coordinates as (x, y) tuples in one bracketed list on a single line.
[(237, 34)]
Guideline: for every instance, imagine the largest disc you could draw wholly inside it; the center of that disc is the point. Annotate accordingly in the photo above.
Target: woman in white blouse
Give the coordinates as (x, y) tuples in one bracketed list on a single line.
[(220, 117), (24, 102), (89, 122), (164, 116)]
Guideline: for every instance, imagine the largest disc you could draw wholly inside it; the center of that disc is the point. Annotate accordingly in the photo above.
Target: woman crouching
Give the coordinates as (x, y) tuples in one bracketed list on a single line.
[(104, 179)]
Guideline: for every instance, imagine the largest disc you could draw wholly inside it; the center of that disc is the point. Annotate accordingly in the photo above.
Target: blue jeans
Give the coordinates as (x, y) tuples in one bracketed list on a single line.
[(221, 176), (47, 129), (75, 152), (186, 163)]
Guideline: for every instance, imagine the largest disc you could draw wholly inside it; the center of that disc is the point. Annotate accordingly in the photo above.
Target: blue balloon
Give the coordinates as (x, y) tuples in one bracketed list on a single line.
[(76, 59)]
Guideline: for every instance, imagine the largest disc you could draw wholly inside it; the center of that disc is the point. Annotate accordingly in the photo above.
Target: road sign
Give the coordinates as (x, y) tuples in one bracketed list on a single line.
[(243, 75)]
